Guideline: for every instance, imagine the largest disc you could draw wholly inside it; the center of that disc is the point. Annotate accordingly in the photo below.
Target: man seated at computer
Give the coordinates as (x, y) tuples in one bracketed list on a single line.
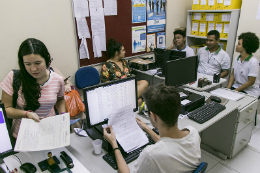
[(178, 43), (175, 150), (212, 58)]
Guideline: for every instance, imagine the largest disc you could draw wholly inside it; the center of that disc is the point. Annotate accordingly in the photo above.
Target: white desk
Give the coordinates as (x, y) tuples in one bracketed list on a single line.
[(154, 79)]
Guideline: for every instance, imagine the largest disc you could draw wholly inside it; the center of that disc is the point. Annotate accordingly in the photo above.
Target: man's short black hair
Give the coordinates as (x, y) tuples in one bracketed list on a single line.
[(250, 42), (164, 101), (181, 32), (214, 32)]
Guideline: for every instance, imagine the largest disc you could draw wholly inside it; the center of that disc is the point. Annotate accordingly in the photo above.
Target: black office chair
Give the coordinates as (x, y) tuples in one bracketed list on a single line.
[(201, 168)]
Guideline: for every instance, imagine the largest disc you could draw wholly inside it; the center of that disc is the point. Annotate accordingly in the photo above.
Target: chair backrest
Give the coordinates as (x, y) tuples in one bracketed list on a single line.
[(201, 168), (86, 76)]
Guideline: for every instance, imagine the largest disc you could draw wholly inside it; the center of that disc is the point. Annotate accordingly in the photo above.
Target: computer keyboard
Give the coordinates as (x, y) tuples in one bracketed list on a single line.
[(206, 112), (129, 157)]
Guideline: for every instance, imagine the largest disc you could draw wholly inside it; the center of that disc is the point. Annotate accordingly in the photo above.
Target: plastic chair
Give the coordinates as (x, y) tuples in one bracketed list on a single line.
[(201, 168), (86, 76)]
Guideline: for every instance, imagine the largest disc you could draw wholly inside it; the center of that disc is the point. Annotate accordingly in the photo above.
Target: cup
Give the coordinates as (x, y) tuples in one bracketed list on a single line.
[(97, 144)]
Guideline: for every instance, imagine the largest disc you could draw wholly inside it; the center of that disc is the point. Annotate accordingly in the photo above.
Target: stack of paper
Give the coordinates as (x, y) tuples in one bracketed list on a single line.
[(49, 133), (128, 133), (110, 7)]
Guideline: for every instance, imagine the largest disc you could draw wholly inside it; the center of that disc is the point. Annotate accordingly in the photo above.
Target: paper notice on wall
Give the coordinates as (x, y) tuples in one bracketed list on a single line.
[(81, 8), (197, 16), (226, 28), (96, 46), (203, 2), (195, 26), (95, 4), (203, 27), (211, 2), (82, 26), (258, 12), (138, 39), (209, 17), (196, 2), (110, 7), (227, 2), (83, 50)]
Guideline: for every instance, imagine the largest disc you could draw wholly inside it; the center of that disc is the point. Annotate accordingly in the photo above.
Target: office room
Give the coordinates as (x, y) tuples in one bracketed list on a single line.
[(53, 23)]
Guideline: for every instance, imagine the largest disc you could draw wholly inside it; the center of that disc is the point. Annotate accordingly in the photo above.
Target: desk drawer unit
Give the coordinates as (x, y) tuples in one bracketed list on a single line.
[(249, 119), (242, 138), (243, 113)]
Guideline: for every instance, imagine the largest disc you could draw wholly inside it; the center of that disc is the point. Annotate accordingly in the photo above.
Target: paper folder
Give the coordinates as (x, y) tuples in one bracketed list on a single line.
[(226, 29), (195, 27), (203, 28), (220, 4), (203, 4), (232, 4), (219, 28), (212, 4), (195, 4)]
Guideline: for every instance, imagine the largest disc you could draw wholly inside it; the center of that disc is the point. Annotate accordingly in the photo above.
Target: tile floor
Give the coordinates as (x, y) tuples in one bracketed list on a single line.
[(246, 161)]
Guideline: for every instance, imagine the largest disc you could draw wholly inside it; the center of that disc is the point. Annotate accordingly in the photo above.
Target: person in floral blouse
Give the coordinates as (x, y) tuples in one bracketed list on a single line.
[(117, 68)]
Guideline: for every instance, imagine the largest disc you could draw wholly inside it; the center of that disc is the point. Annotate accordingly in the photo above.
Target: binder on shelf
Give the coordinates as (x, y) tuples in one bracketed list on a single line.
[(212, 4), (232, 4), (226, 29), (211, 26), (194, 49), (197, 16), (211, 16), (203, 4), (223, 45), (195, 27), (218, 17), (219, 28), (203, 28), (220, 4), (225, 17), (195, 4)]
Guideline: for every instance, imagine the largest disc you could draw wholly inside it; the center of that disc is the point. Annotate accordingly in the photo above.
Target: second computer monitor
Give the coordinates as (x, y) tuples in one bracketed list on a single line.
[(102, 100), (181, 71)]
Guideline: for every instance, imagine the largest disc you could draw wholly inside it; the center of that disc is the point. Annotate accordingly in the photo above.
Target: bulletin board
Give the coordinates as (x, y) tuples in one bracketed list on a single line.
[(118, 27)]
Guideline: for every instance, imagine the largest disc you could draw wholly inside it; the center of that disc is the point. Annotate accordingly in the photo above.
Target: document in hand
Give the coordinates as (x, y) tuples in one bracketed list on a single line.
[(49, 133), (128, 133)]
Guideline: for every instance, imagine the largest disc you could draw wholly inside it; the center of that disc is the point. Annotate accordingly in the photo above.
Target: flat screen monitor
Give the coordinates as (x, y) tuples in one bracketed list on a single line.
[(102, 100), (181, 71), (158, 55), (7, 142)]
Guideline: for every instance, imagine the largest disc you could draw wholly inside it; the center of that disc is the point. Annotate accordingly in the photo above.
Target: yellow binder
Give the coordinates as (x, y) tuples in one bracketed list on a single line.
[(212, 4), (203, 28), (225, 17), (203, 4), (226, 29), (211, 26), (195, 4), (219, 28), (194, 49), (232, 4), (220, 4), (195, 27), (223, 45), (197, 16), (210, 17)]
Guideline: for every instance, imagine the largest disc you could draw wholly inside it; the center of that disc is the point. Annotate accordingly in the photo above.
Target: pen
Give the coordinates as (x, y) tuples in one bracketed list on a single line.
[(66, 78)]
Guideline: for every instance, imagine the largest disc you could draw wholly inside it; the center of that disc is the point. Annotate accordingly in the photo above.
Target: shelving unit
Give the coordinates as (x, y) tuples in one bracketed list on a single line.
[(196, 40)]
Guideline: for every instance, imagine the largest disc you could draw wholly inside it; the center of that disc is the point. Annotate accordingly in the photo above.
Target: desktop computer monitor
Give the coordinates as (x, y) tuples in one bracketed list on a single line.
[(7, 142), (102, 100), (181, 71), (158, 55)]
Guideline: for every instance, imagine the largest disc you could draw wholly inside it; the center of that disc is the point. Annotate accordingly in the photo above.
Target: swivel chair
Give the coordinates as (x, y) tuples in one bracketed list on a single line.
[(86, 76), (201, 168)]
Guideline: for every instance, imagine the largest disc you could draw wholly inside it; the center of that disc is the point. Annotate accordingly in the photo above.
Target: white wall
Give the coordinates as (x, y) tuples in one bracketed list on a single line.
[(50, 21)]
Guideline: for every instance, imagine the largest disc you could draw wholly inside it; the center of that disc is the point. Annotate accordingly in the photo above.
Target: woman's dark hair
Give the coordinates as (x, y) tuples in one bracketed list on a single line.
[(30, 88), (250, 42), (164, 101), (113, 47)]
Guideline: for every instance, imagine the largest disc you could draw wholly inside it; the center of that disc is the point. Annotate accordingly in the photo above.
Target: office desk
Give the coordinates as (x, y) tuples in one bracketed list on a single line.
[(154, 79)]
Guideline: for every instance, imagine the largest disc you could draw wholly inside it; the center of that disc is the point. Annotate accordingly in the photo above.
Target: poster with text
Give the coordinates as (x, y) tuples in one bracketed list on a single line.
[(138, 39), (161, 40), (156, 12), (138, 11), (151, 42)]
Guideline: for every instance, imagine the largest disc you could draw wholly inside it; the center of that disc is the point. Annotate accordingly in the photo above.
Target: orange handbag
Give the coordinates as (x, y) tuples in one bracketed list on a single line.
[(74, 104)]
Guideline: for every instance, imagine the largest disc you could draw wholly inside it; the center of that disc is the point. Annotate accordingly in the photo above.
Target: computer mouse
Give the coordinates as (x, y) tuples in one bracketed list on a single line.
[(215, 99), (28, 168)]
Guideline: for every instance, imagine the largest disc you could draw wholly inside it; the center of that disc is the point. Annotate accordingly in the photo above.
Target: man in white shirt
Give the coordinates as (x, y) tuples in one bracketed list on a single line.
[(175, 150), (212, 58), (178, 43)]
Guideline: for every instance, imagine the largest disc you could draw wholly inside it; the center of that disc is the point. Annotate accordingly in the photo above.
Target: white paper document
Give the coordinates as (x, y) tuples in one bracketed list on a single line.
[(211, 26), (211, 2), (219, 27), (209, 17), (203, 2), (110, 7), (83, 49), (195, 27), (197, 16), (227, 2), (227, 94), (219, 1), (95, 4), (196, 2), (128, 133), (202, 27), (96, 46), (49, 133), (226, 17), (226, 28), (81, 8), (83, 31)]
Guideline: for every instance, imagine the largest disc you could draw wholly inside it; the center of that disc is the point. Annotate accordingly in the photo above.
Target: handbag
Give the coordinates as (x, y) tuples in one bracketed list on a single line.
[(74, 104)]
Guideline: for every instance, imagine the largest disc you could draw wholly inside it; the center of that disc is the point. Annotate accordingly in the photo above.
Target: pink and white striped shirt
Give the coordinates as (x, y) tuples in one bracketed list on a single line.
[(50, 90)]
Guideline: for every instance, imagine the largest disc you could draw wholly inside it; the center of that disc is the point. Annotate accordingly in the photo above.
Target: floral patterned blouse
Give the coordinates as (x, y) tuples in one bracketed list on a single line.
[(111, 71)]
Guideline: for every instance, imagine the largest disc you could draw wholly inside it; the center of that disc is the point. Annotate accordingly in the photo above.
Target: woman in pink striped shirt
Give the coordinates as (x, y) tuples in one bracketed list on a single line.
[(40, 89)]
